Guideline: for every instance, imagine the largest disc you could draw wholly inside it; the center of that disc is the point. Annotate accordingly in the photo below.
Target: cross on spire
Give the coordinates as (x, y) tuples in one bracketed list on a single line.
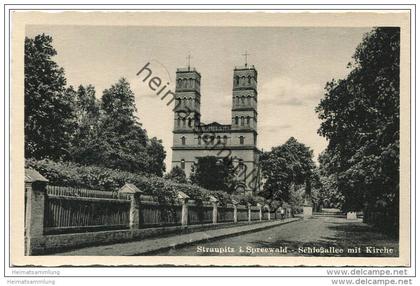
[(246, 57), (189, 61)]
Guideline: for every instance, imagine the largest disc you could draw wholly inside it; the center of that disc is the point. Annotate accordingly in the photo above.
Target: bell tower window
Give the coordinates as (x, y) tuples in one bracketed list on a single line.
[(241, 140), (183, 140)]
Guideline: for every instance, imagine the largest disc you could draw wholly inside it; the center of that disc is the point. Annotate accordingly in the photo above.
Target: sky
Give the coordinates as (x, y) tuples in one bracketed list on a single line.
[(293, 64)]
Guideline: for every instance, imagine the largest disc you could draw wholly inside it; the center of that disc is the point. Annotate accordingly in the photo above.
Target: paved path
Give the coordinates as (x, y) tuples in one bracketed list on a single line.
[(152, 245), (319, 232)]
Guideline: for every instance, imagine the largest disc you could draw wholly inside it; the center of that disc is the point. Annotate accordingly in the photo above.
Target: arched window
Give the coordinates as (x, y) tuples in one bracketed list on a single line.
[(183, 122), (247, 120), (241, 140), (182, 164), (212, 140), (178, 122), (242, 99), (184, 83), (183, 140), (218, 140), (236, 120), (199, 140), (242, 121), (249, 79), (248, 100), (189, 122), (236, 79), (225, 139)]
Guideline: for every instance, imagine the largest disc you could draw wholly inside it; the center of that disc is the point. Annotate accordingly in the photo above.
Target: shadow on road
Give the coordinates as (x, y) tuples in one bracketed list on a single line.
[(355, 238)]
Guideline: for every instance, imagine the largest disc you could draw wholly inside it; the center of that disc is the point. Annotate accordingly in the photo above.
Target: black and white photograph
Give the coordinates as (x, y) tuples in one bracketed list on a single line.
[(222, 141)]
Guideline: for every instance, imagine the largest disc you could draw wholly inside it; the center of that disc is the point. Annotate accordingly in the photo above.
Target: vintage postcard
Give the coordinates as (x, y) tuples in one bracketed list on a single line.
[(210, 138)]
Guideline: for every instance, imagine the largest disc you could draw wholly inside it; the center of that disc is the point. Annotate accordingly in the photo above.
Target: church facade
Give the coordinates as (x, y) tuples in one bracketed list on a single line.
[(238, 140)]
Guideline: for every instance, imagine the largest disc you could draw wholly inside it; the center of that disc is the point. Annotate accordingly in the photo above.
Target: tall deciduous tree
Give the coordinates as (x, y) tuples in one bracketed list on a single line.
[(84, 147), (284, 166), (157, 155), (49, 117), (329, 195), (122, 139), (360, 118), (213, 173)]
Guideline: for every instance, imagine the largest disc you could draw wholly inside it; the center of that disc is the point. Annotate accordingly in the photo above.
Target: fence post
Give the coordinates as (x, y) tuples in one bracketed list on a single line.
[(214, 201), (260, 213), (249, 212), (235, 211), (268, 212), (134, 194), (35, 190), (184, 212)]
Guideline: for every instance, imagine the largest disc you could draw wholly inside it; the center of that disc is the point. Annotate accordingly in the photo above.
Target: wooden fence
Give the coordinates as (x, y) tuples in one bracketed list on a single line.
[(242, 213), (58, 217), (153, 214), (225, 214), (71, 210), (74, 214), (200, 213)]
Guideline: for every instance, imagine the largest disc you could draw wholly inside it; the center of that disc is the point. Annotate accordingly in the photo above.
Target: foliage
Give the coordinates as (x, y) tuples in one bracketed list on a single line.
[(213, 173), (84, 144), (122, 140), (102, 178), (49, 118), (73, 125), (360, 117), (106, 179), (156, 156), (284, 166), (177, 175), (329, 195)]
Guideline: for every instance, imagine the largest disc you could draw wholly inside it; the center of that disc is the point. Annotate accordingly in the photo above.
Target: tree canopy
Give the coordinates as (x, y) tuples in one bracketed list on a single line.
[(360, 118), (49, 117), (177, 175), (213, 173), (285, 165), (62, 123)]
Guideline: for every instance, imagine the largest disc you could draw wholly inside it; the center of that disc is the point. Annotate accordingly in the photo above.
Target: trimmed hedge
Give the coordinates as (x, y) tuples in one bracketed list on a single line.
[(100, 178)]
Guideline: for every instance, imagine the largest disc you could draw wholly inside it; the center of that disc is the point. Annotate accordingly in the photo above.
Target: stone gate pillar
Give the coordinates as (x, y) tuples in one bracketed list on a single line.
[(35, 192), (267, 207), (183, 198), (214, 202), (235, 211), (260, 211), (134, 193)]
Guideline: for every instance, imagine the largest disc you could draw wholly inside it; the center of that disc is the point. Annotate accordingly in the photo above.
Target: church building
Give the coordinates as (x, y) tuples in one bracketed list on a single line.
[(238, 140)]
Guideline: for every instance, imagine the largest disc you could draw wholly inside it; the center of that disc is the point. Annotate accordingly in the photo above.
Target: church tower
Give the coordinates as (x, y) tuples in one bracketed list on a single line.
[(187, 99), (244, 98)]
